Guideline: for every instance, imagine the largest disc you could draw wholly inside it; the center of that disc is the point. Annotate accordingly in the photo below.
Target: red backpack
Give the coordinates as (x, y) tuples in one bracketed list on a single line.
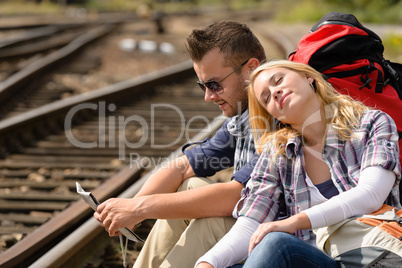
[(350, 57)]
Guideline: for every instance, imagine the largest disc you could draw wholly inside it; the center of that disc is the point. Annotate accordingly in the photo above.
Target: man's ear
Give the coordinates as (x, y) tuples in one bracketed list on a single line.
[(252, 64)]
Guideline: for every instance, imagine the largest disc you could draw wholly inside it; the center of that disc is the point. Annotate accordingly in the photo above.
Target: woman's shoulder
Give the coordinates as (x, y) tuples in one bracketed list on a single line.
[(376, 115), (377, 119)]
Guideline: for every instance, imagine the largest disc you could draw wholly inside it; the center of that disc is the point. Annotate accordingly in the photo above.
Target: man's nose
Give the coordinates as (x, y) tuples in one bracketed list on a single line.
[(210, 95)]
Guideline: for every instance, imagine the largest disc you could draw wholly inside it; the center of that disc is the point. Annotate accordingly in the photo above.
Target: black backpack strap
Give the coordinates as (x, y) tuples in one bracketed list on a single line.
[(345, 73), (363, 71), (393, 74), (380, 81)]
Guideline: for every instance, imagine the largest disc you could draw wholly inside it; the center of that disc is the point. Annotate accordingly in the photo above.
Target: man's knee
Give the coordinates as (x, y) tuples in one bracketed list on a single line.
[(194, 182), (212, 229), (200, 236)]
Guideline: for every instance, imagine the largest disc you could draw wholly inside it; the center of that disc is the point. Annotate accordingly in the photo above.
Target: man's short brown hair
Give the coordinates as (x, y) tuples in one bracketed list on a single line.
[(235, 40)]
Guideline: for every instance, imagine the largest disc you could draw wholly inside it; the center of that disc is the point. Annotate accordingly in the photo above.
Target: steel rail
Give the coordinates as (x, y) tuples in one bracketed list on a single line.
[(73, 22), (22, 253), (10, 86), (54, 113), (29, 35)]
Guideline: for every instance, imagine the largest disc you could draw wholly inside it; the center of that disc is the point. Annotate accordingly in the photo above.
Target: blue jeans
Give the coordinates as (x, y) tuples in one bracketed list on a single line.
[(280, 250)]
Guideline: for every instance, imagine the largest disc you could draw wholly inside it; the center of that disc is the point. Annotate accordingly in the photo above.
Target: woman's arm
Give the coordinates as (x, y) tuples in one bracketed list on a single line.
[(233, 247), (374, 186)]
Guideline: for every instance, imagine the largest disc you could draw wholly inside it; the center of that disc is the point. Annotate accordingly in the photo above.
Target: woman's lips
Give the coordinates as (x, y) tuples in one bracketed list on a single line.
[(283, 99)]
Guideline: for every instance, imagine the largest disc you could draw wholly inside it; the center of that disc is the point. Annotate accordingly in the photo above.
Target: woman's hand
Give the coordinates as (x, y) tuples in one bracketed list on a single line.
[(289, 225), (204, 265)]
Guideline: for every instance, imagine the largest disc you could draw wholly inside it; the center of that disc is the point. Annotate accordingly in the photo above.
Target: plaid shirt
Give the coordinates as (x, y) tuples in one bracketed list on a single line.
[(232, 145), (284, 183), (239, 127)]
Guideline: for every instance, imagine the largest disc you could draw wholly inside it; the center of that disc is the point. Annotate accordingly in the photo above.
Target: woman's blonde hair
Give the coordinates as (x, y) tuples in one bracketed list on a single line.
[(341, 111)]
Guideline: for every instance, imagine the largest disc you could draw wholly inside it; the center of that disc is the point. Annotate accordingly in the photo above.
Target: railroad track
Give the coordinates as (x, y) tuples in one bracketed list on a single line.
[(38, 181), (107, 139), (19, 86), (37, 175), (28, 43)]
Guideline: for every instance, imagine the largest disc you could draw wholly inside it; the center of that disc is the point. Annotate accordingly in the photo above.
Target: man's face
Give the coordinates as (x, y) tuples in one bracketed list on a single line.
[(233, 99)]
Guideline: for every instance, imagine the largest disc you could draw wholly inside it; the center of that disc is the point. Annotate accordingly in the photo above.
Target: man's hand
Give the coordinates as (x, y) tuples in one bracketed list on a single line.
[(116, 213)]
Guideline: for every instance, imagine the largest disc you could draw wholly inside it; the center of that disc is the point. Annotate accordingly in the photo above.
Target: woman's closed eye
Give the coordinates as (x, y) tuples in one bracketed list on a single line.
[(265, 96)]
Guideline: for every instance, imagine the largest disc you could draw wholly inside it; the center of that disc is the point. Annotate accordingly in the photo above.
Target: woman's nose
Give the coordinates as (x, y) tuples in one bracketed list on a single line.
[(277, 93)]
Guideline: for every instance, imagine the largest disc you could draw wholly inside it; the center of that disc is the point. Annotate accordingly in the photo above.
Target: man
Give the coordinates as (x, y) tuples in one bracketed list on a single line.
[(223, 54)]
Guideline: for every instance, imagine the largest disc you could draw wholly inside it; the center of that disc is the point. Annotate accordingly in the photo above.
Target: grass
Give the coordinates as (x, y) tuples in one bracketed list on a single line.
[(113, 5), (20, 7), (312, 10), (393, 47)]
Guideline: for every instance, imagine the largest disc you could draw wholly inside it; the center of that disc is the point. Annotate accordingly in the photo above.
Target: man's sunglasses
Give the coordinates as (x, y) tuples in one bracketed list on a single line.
[(214, 86)]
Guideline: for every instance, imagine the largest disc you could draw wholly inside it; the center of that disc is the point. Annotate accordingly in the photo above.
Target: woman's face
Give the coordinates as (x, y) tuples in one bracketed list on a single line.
[(287, 95)]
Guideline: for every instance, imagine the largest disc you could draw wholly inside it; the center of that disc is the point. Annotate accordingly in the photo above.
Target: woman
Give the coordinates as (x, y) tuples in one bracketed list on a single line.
[(324, 158)]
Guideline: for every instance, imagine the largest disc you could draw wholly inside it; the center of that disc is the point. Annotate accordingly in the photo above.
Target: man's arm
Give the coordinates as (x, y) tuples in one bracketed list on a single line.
[(124, 212), (158, 200), (168, 178), (213, 200), (209, 201)]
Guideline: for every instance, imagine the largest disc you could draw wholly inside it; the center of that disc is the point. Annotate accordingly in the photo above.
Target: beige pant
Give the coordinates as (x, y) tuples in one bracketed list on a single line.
[(179, 243)]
